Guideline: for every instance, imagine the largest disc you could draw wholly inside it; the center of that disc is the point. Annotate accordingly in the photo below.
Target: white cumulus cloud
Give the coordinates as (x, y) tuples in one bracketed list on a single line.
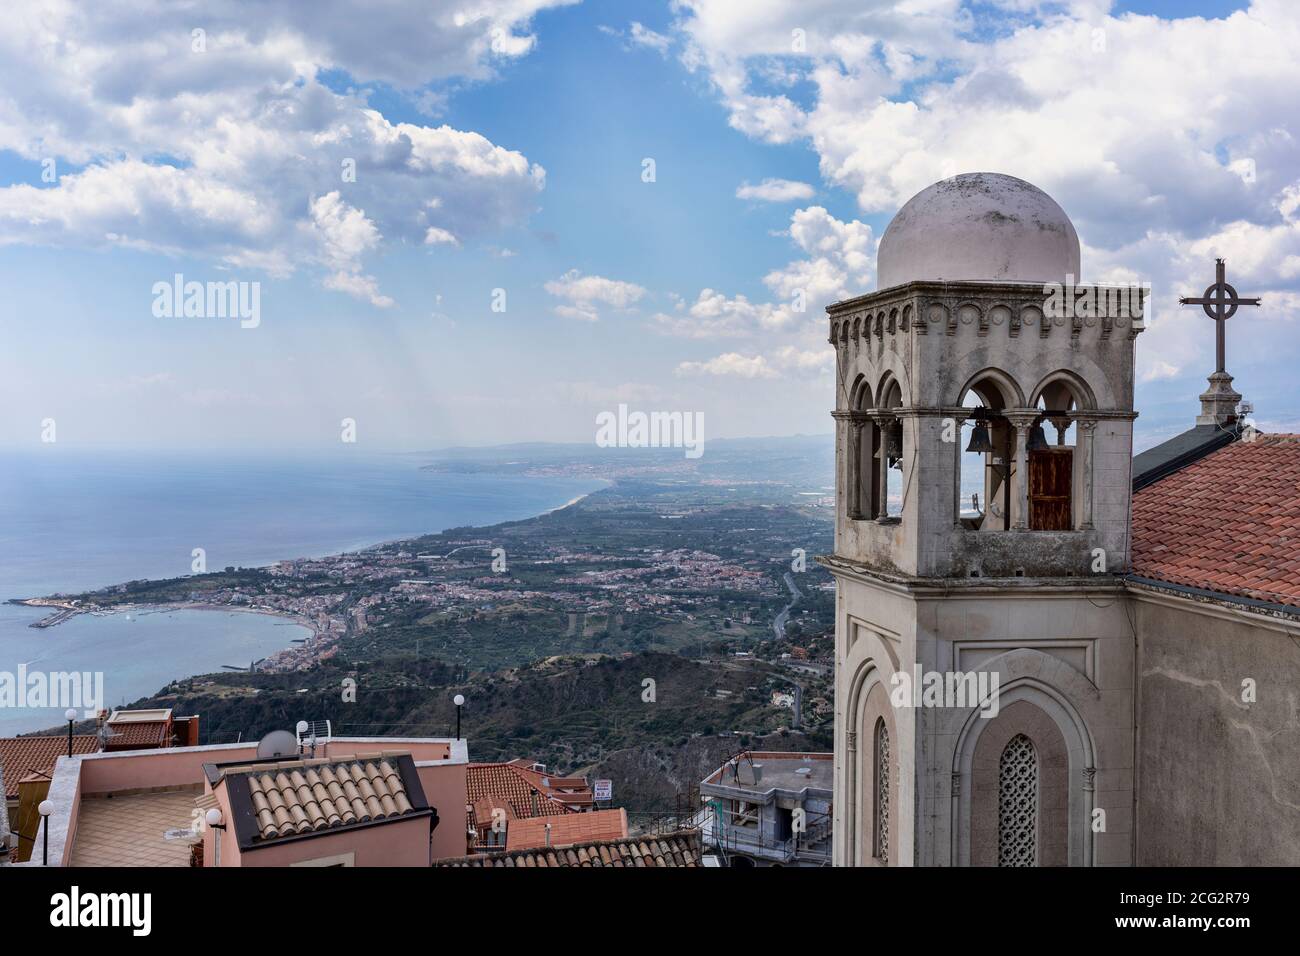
[(1168, 140), (212, 134), (730, 363), (775, 190), (586, 294)]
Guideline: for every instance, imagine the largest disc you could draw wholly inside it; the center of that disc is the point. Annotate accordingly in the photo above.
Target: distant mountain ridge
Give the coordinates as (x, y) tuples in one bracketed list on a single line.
[(540, 450), (804, 460)]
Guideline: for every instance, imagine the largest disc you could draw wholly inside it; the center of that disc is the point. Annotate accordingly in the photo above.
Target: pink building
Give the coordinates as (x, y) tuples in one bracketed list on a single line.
[(357, 801)]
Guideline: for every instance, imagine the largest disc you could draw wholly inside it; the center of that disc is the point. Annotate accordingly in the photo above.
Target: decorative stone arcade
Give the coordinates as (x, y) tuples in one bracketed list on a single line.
[(980, 319)]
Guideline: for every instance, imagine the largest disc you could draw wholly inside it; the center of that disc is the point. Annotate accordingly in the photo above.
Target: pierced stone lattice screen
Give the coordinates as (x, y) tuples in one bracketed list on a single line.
[(1018, 804), (882, 791)]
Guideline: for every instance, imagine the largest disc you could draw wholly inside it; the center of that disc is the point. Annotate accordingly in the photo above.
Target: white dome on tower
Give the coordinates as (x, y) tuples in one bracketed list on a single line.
[(978, 227)]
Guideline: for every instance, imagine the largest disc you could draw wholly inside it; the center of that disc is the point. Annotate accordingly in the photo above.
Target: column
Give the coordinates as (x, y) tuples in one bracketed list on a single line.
[(958, 421), (854, 468), (1086, 430), (1021, 421), (883, 423), (843, 465)]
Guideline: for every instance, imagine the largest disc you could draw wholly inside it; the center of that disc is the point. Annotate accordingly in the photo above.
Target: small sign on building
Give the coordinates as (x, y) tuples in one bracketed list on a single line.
[(604, 790)]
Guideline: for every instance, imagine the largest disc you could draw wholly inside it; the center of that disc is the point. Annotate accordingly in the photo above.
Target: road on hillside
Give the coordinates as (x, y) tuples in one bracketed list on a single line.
[(778, 626)]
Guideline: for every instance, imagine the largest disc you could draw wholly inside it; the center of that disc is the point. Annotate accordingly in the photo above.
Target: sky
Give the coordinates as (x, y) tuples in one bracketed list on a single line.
[(473, 222)]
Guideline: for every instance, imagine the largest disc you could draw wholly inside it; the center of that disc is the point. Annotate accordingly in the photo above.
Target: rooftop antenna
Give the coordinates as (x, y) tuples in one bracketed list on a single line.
[(313, 732)]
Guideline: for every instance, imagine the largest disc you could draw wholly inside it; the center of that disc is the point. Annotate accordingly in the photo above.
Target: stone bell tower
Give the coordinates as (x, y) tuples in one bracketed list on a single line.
[(984, 411)]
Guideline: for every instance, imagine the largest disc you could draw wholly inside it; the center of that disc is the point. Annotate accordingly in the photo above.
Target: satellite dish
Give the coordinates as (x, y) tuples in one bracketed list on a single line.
[(278, 743)]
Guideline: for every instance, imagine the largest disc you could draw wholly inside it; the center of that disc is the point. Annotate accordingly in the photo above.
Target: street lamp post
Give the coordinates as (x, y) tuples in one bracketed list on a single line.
[(70, 715), (45, 809), (459, 701)]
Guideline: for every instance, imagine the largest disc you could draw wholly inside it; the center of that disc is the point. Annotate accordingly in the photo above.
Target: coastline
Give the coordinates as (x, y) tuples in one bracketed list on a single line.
[(143, 651), (318, 647), (278, 658), (573, 501)]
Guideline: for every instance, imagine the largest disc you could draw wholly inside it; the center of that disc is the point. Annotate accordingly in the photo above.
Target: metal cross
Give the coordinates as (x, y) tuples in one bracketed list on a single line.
[(1220, 303)]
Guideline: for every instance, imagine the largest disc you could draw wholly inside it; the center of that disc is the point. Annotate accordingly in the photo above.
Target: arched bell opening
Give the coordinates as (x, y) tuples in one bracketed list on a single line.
[(987, 456), (889, 453), (863, 448)]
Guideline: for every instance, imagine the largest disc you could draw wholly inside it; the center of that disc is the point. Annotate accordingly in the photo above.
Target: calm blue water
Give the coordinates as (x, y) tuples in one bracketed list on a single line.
[(72, 520), (137, 651)]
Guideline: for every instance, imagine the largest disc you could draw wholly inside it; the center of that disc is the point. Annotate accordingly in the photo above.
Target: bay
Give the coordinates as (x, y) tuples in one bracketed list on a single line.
[(72, 520)]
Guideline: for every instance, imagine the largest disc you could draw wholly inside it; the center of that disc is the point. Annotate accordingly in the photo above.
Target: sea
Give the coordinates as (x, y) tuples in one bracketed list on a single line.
[(73, 520)]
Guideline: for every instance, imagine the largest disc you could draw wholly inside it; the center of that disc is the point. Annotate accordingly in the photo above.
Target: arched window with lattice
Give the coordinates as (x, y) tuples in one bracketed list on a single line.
[(880, 824), (1018, 803)]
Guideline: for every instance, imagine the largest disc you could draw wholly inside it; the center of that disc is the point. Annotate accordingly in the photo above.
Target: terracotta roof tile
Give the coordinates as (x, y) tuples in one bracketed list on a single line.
[(680, 849), (21, 756), (510, 787), (568, 830), (1228, 523), (144, 733), (310, 795)]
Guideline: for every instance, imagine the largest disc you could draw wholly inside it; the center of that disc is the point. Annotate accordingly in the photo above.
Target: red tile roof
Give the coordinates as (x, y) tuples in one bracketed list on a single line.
[(1228, 523), (599, 825), (23, 755), (511, 787), (139, 734), (574, 791), (675, 849)]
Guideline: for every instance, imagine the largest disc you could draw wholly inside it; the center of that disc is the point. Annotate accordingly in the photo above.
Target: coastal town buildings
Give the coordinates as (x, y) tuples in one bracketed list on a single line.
[(355, 801), (158, 800)]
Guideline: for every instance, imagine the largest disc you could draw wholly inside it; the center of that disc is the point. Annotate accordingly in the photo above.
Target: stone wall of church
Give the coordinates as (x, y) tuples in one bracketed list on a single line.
[(874, 638), (1062, 656), (1218, 776)]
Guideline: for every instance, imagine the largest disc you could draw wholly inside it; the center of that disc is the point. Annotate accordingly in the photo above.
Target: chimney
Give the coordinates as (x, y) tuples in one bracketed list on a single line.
[(534, 795)]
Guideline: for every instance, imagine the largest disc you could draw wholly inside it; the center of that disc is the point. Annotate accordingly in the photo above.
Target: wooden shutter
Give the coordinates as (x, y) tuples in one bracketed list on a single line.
[(1051, 475)]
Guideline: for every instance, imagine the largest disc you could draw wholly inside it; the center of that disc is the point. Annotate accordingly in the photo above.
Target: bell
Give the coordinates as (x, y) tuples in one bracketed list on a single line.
[(894, 441), (1037, 438), (979, 439)]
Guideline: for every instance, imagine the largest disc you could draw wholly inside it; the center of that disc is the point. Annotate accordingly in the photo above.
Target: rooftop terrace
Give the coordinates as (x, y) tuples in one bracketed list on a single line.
[(762, 772), (151, 828)]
